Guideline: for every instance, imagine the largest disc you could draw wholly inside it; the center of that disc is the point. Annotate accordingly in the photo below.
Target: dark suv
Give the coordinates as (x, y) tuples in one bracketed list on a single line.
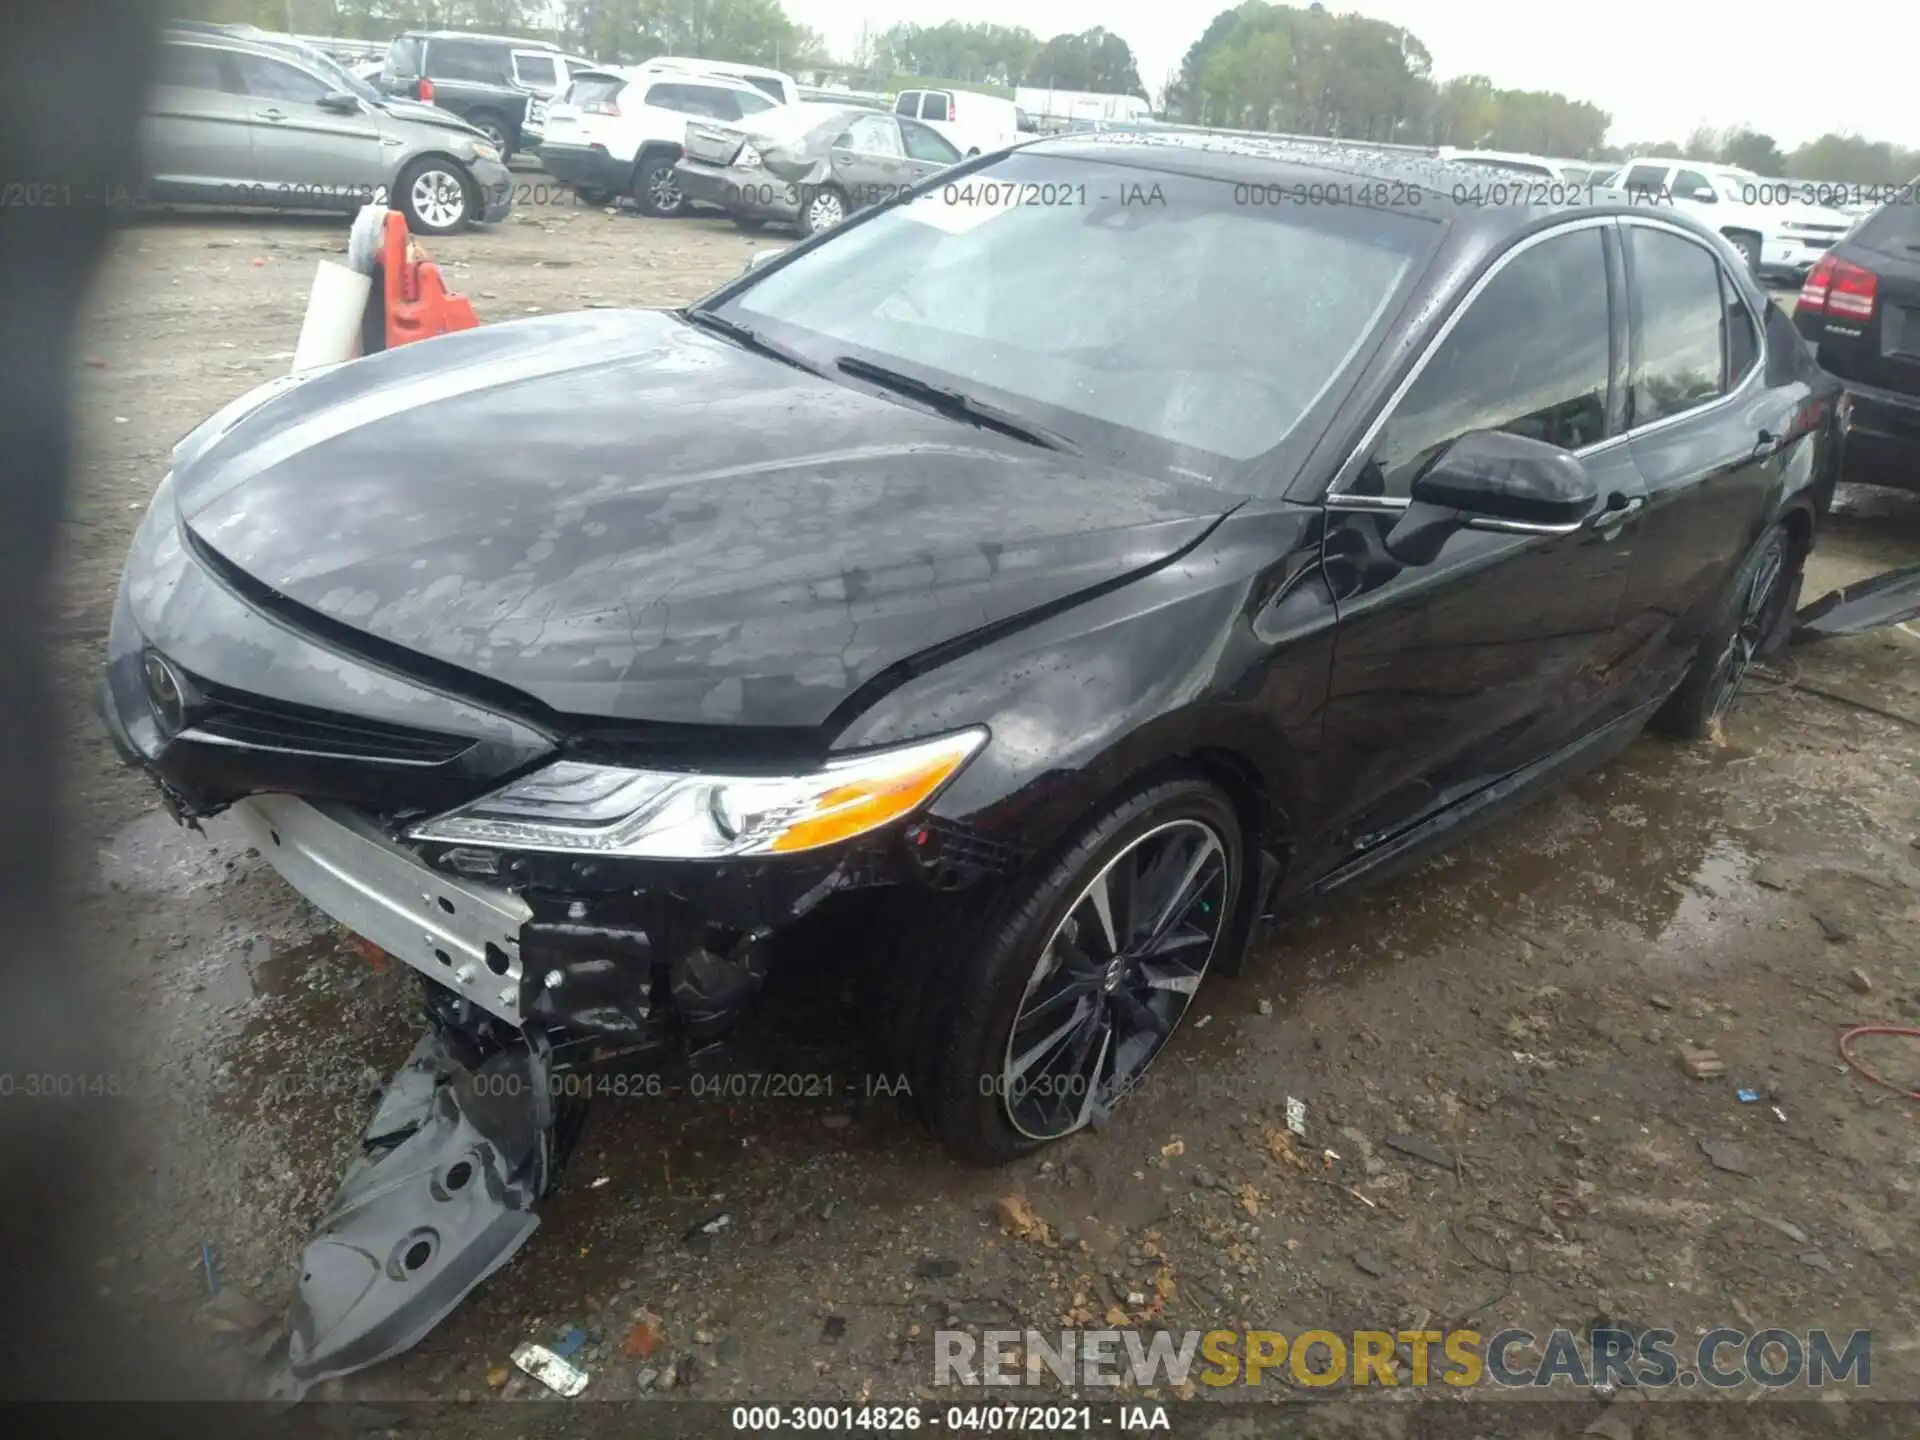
[(1860, 310), (487, 80)]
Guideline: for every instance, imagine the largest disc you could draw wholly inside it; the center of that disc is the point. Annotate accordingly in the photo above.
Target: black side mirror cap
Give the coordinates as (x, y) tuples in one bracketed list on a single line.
[(1489, 475)]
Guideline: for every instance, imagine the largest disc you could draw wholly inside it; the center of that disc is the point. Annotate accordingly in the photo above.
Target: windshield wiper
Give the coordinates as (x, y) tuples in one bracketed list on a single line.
[(751, 338), (958, 404)]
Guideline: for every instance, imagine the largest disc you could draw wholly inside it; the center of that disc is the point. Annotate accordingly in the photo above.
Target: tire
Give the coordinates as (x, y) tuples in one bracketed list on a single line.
[(977, 999), (1749, 247), (495, 129), (749, 225), (436, 196), (1748, 619), (824, 211), (654, 189)]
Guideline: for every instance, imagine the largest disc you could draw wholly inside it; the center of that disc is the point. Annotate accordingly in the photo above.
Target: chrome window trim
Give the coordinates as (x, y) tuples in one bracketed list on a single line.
[(1337, 499)]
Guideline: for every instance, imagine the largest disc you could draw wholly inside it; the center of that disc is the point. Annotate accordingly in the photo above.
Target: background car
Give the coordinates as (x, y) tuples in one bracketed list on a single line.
[(621, 132), (487, 80), (231, 121), (1775, 233), (1860, 310), (971, 122), (810, 166), (777, 85)]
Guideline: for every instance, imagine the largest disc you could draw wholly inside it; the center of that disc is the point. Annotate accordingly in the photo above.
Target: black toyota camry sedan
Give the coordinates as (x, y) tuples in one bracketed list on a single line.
[(1056, 568)]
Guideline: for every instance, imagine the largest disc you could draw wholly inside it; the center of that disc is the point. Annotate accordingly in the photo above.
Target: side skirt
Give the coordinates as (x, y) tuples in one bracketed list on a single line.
[(1486, 805)]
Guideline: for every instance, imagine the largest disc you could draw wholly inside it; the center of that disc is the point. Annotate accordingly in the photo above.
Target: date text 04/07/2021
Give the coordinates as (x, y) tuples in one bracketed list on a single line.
[(958, 1419)]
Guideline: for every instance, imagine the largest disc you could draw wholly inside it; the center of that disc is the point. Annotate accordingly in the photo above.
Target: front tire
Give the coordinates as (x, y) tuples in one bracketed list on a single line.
[(436, 196), (1748, 620), (495, 129), (655, 190), (1051, 1009), (1749, 247)]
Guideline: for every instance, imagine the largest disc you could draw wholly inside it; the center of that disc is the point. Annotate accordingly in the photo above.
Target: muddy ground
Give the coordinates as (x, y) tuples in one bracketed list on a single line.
[(1517, 1008)]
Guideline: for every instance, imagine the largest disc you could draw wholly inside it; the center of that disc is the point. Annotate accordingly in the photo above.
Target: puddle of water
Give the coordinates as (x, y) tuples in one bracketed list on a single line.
[(158, 856)]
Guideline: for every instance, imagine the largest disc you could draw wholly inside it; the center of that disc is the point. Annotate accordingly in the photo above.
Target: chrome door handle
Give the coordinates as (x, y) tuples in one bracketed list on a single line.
[(1615, 516), (272, 114)]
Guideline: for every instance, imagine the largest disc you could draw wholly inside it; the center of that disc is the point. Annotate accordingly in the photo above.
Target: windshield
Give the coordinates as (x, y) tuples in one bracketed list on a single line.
[(1156, 318)]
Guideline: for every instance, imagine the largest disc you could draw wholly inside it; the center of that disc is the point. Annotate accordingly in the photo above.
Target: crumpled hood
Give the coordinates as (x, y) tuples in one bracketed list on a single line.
[(623, 516)]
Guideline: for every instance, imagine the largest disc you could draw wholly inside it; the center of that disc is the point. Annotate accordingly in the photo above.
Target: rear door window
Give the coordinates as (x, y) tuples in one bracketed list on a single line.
[(925, 144), (1644, 178), (193, 67), (1687, 182), (403, 57), (466, 60), (532, 68), (907, 102), (936, 105), (596, 91), (1531, 356), (873, 135), (767, 85), (1682, 361), (752, 104), (276, 80)]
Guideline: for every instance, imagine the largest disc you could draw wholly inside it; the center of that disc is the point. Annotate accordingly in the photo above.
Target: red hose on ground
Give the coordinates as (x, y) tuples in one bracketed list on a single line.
[(1846, 1053)]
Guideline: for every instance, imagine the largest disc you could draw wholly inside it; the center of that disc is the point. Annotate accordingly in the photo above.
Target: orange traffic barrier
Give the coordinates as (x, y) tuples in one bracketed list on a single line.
[(418, 303)]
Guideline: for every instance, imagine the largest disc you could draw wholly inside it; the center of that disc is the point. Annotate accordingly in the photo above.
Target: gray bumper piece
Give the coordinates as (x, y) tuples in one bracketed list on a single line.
[(457, 1153)]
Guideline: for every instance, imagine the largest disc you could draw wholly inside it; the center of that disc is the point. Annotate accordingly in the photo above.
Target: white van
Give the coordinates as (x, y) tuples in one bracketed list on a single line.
[(782, 87), (971, 122)]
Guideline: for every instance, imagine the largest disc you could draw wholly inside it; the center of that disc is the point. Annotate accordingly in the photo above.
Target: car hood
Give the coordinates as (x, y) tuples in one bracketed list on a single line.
[(421, 113), (623, 516)]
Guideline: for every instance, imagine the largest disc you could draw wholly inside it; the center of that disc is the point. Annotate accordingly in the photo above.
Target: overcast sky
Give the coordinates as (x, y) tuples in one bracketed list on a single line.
[(1659, 67)]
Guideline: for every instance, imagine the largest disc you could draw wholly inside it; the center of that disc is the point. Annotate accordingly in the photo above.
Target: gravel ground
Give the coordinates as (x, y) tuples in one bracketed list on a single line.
[(1513, 1011)]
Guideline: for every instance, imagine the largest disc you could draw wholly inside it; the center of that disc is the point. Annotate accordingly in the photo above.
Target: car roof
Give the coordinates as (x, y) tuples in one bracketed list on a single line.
[(638, 74), (520, 41), (276, 48), (720, 67), (1423, 185)]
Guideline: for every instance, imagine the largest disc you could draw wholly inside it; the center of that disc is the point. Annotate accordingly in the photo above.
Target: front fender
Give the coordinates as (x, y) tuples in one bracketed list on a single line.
[(1175, 666)]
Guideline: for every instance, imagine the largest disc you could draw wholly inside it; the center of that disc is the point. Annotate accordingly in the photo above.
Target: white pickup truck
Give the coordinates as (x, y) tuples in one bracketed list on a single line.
[(1775, 230)]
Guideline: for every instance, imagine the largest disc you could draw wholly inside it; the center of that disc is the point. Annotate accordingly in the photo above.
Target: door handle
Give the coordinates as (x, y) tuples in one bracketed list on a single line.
[(1620, 509), (275, 114)]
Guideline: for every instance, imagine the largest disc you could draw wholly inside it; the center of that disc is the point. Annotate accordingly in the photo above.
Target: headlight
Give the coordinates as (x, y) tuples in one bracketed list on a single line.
[(484, 151), (573, 807)]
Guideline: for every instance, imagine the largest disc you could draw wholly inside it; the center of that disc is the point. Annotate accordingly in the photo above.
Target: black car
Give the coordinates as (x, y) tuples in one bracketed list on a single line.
[(1036, 579), (1860, 310), (487, 80)]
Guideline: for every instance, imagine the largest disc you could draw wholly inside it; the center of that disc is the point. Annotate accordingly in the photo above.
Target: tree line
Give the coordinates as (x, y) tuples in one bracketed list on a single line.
[(1257, 66)]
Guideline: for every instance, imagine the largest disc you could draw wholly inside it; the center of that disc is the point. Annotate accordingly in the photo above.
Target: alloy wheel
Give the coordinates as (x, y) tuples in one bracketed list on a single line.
[(825, 211), (662, 190), (495, 132), (1759, 613), (439, 198), (1114, 979)]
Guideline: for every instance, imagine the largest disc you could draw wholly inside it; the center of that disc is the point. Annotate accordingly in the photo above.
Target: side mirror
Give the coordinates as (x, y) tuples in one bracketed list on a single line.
[(1490, 475), (339, 102), (1706, 196)]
